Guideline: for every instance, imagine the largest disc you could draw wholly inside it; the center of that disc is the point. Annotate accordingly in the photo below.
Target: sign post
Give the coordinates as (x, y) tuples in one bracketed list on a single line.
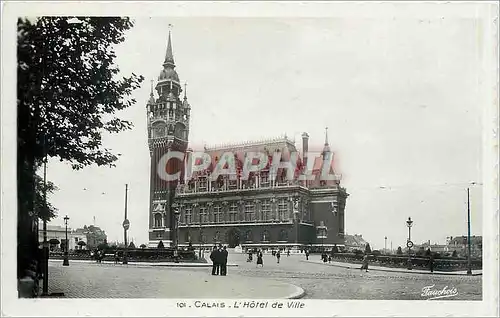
[(126, 226)]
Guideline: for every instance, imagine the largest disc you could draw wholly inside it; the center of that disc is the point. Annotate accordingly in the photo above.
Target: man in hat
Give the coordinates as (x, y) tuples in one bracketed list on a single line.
[(215, 258), (223, 269)]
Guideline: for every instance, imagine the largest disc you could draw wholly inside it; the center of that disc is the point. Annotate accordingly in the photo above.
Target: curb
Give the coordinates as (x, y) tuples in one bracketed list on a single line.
[(139, 264), (184, 265), (299, 293), (397, 271)]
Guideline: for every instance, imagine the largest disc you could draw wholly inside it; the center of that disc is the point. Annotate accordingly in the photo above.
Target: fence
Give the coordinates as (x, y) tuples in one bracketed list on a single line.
[(133, 255), (401, 261)]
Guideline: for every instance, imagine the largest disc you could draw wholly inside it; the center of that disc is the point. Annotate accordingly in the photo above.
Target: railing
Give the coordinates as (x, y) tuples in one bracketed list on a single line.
[(401, 261), (212, 223), (203, 188)]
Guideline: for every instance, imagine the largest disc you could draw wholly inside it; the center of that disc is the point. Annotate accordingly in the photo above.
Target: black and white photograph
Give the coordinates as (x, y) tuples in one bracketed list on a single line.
[(249, 159)]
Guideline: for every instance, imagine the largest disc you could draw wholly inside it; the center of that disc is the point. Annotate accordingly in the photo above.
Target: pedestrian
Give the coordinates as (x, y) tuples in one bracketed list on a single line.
[(223, 268), (260, 261), (329, 258), (307, 255), (431, 263), (288, 252), (278, 255), (116, 257), (365, 263), (214, 257)]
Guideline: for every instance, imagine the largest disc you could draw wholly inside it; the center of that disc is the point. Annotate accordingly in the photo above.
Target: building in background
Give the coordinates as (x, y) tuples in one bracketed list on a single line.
[(94, 236), (460, 245), (355, 242), (56, 236), (436, 248), (265, 210)]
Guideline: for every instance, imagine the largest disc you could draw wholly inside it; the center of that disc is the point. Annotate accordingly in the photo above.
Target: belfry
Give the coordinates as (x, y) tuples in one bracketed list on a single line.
[(168, 130)]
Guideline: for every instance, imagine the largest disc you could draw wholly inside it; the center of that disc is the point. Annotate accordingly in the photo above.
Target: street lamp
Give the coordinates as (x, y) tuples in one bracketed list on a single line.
[(176, 234), (469, 265), (409, 244), (66, 260), (385, 244)]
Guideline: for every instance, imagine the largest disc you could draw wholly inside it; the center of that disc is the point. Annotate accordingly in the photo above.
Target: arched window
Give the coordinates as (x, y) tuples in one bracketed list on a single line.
[(283, 235), (157, 220), (264, 237), (249, 236)]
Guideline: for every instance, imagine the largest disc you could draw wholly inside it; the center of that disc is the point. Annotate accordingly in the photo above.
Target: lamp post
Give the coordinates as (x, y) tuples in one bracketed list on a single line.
[(176, 234), (176, 211), (385, 244), (469, 263), (409, 244), (66, 260)]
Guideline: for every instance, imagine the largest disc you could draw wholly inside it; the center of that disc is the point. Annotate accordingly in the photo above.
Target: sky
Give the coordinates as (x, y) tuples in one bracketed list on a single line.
[(399, 97)]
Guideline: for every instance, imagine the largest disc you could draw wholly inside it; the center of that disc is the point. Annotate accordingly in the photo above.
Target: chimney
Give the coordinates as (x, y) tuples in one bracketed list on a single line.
[(305, 147)]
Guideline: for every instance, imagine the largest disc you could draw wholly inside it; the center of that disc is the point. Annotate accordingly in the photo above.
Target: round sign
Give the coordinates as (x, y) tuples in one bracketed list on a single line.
[(409, 244), (126, 224)]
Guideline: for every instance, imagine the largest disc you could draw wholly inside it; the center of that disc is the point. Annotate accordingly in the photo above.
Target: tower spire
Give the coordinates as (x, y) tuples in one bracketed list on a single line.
[(169, 57), (185, 90), (151, 94), (326, 148)]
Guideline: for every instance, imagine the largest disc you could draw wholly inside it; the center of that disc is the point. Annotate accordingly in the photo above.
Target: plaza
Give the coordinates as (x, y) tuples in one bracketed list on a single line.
[(283, 280)]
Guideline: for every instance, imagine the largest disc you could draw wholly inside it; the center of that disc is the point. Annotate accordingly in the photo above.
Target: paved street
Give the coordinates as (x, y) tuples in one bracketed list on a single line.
[(318, 280), (329, 282), (92, 280)]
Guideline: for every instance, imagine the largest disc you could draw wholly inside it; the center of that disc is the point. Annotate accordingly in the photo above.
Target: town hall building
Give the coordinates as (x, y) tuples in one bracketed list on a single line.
[(264, 211)]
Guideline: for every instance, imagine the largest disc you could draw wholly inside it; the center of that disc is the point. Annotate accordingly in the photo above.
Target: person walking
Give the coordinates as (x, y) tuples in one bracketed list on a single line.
[(223, 266), (365, 263), (260, 261), (307, 255), (214, 257), (431, 263), (278, 255), (287, 252), (249, 259), (116, 257)]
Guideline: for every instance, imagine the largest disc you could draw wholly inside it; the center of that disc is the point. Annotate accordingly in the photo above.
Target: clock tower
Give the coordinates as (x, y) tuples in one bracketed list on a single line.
[(168, 130)]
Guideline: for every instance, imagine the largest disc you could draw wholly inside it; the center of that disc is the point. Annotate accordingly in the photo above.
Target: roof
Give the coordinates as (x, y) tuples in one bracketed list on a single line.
[(460, 240), (354, 240), (267, 146)]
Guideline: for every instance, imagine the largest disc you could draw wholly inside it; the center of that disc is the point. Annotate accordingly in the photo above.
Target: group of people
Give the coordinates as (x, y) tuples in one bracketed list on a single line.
[(98, 255), (219, 260)]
